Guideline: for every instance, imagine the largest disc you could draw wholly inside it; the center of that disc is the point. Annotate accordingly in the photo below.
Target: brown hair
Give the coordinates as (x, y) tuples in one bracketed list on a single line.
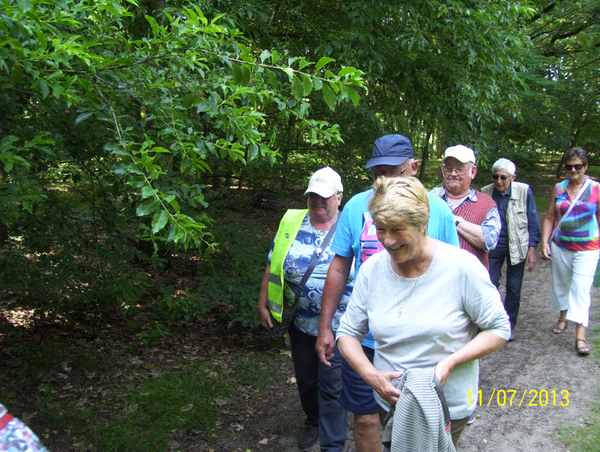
[(575, 153)]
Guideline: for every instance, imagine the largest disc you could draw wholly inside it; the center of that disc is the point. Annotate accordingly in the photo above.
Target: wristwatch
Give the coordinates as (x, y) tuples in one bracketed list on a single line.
[(458, 220)]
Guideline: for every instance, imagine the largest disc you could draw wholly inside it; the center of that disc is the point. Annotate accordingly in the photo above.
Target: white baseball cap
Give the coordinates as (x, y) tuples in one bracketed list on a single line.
[(461, 153), (325, 183)]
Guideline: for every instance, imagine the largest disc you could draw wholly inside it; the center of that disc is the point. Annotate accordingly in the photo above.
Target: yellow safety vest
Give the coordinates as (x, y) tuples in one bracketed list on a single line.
[(286, 234)]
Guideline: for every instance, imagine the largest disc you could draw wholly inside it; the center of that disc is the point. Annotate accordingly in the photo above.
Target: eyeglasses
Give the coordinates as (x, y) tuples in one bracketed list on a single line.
[(498, 176), (574, 167), (391, 173), (459, 169)]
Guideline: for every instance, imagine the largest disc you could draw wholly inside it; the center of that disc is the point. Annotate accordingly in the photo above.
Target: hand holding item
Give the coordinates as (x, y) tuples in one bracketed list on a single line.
[(546, 253), (382, 383)]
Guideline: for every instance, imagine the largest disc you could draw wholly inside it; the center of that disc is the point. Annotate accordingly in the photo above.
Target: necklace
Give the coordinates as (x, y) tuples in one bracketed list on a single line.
[(572, 191), (401, 306)]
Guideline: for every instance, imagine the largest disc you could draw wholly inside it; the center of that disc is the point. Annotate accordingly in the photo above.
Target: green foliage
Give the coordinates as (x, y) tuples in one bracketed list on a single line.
[(525, 159), (187, 89), (186, 307), (133, 110), (58, 264), (231, 277), (559, 105)]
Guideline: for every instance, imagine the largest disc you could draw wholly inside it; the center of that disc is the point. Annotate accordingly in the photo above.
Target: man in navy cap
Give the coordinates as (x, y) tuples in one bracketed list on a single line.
[(356, 238)]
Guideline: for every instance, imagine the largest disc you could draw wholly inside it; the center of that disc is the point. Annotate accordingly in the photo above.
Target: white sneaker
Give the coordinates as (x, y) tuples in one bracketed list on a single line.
[(472, 418)]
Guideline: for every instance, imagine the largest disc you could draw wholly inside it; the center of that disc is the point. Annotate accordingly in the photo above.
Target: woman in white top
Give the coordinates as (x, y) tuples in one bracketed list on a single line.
[(427, 304)]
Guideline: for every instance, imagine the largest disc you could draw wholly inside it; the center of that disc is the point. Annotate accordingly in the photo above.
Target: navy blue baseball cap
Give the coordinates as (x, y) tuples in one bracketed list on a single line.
[(391, 150)]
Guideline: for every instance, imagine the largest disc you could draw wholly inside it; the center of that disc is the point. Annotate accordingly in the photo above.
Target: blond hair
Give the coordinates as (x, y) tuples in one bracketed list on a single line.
[(397, 199)]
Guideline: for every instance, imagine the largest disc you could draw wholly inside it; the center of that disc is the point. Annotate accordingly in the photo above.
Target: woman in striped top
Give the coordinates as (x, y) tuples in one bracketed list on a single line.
[(575, 247)]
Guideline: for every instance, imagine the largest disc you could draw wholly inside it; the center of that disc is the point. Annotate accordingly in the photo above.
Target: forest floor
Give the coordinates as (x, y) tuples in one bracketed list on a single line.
[(547, 386)]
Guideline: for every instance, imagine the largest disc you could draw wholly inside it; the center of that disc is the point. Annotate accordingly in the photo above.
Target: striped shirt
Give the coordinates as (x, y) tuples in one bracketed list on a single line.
[(579, 230)]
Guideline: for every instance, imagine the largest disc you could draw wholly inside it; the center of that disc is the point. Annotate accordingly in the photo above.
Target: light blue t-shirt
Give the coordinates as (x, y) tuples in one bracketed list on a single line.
[(356, 235), (307, 242)]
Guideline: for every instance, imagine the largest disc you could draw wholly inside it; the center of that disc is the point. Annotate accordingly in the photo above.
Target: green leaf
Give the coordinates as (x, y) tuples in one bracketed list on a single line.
[(147, 207), (148, 191), (252, 151), (246, 74), (154, 25), (175, 205), (347, 70), (159, 221), (322, 62), (273, 79), (353, 95), (297, 88), (16, 74), (42, 39), (43, 88), (7, 142), (303, 63), (289, 71), (190, 100), (24, 5), (8, 165), (329, 96), (28, 206), (241, 74), (83, 116), (275, 57), (307, 84), (236, 69)]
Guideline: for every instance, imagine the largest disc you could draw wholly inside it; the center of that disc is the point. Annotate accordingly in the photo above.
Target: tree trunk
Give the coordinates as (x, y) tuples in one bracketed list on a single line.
[(425, 154)]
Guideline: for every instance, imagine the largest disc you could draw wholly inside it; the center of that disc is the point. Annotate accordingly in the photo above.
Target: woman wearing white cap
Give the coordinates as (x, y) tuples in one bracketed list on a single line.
[(302, 246)]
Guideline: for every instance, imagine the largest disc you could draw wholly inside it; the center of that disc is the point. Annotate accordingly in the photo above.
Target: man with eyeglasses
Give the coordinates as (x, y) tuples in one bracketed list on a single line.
[(519, 236), (356, 240), (475, 213)]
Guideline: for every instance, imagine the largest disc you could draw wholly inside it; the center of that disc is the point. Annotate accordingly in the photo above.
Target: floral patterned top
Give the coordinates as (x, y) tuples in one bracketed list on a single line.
[(307, 243)]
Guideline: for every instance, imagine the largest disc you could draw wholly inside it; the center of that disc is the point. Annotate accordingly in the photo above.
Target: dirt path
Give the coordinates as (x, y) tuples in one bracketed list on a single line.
[(537, 361)]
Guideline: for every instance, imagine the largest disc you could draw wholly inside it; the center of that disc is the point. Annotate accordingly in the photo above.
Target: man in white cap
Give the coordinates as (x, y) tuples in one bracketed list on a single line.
[(476, 214)]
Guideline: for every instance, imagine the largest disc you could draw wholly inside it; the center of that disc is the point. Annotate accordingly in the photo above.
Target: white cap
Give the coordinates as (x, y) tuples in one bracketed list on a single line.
[(461, 153), (325, 183)]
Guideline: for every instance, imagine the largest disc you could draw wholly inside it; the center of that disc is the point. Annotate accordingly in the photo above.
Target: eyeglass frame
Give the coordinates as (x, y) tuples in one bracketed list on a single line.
[(574, 167), (500, 176), (460, 170), (395, 173)]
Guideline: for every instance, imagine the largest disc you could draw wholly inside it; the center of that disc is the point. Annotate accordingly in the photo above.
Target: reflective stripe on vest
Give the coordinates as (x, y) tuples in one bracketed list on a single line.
[(286, 234)]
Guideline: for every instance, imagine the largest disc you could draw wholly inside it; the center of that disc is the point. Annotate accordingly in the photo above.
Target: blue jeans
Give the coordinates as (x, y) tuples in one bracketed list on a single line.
[(514, 280), (319, 387)]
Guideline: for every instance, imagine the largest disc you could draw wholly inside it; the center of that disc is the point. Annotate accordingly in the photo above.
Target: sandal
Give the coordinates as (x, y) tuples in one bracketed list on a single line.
[(583, 350), (557, 329)]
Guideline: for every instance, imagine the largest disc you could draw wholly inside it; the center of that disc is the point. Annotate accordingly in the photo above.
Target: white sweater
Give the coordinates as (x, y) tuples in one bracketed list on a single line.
[(449, 302)]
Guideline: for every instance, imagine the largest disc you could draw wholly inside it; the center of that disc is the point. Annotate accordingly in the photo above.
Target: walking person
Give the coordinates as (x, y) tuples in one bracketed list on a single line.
[(475, 213), (519, 235), (301, 239), (355, 242), (570, 239), (428, 306)]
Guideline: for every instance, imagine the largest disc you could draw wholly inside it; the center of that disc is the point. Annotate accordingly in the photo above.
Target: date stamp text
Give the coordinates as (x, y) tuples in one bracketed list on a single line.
[(522, 397)]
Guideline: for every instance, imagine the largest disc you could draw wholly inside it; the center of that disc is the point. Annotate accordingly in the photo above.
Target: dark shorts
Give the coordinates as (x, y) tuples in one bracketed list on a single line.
[(357, 396)]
